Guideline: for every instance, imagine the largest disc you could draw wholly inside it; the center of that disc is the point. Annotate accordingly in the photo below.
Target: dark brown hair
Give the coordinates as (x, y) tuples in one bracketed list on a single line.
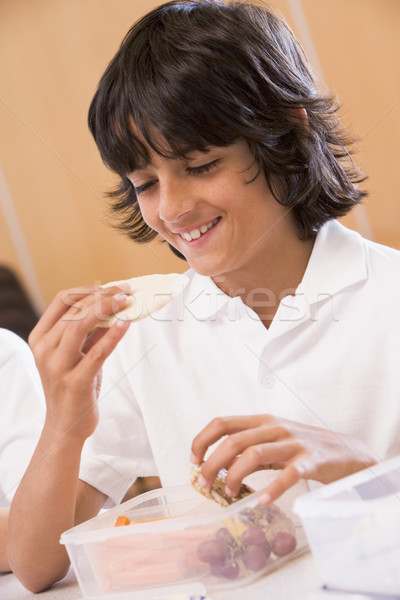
[(206, 73)]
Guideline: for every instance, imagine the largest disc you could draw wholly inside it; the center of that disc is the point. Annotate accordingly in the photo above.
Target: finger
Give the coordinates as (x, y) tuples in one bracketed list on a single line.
[(220, 427), (98, 332), (46, 337), (288, 477), (274, 455), (64, 343), (73, 334), (94, 336), (101, 304), (66, 300), (57, 308), (258, 450), (92, 362)]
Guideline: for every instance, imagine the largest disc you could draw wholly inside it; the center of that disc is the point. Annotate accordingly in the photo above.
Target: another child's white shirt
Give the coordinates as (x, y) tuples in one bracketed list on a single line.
[(22, 409)]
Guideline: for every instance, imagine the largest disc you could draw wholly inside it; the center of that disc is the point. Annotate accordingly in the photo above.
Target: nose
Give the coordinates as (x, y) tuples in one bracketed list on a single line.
[(176, 199)]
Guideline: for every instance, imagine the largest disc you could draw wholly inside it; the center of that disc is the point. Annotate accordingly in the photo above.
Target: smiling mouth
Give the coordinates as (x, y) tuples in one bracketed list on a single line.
[(196, 234)]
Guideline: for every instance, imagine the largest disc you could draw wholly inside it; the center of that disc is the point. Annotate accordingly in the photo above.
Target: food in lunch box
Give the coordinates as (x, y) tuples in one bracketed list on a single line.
[(254, 540), (121, 521), (217, 490), (248, 542), (149, 294)]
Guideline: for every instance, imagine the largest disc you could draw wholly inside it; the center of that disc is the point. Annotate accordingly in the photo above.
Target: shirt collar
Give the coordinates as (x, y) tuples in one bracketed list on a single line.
[(202, 297), (337, 261)]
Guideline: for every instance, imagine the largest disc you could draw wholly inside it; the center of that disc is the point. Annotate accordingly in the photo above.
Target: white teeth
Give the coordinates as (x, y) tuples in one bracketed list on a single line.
[(196, 233)]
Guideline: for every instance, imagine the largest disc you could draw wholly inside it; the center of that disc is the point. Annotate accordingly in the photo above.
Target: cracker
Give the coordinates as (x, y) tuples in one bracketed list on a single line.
[(217, 490), (149, 294)]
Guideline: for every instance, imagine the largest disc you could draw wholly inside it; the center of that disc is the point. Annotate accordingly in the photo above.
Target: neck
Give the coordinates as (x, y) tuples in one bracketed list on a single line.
[(270, 279)]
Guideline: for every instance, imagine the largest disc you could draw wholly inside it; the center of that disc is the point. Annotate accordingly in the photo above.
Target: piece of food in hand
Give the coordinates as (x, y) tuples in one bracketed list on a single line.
[(217, 490), (149, 294)]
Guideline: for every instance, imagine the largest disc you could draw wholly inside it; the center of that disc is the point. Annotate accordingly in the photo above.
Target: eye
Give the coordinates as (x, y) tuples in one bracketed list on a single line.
[(202, 168), (140, 189)]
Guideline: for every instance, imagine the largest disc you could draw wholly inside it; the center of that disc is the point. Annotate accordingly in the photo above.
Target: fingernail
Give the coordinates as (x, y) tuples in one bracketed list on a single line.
[(228, 491), (121, 298), (121, 323), (202, 482), (264, 498), (193, 459)]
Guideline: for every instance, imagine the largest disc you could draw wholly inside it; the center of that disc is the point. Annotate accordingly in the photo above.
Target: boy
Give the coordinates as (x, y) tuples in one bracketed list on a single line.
[(226, 149)]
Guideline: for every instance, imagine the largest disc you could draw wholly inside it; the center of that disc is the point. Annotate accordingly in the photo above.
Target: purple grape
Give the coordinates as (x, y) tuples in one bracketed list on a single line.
[(283, 543), (229, 570), (212, 552), (254, 557), (255, 536), (225, 536)]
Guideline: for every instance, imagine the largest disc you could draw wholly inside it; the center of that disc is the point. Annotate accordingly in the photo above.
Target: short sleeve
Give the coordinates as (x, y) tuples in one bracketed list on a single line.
[(119, 450)]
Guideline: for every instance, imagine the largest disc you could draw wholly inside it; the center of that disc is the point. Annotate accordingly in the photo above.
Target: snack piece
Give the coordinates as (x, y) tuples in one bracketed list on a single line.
[(217, 491), (149, 294)]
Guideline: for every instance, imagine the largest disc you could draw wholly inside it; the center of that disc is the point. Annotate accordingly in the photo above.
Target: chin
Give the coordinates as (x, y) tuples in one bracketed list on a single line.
[(199, 268), (206, 270)]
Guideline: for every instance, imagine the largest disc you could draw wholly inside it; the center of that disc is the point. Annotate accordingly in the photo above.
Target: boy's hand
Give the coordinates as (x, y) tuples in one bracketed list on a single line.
[(69, 354), (265, 442)]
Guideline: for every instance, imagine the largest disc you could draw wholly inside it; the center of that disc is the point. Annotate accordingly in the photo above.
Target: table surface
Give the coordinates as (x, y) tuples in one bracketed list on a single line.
[(298, 579)]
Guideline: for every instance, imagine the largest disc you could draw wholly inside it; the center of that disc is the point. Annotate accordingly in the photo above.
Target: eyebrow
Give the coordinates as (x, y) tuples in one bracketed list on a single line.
[(140, 167), (146, 165)]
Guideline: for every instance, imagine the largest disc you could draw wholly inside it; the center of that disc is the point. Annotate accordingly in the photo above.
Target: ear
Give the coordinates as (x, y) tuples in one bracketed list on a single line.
[(303, 115), (300, 115)]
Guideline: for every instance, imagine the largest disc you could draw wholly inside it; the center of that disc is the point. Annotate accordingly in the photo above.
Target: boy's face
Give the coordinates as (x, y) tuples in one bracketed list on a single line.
[(204, 206)]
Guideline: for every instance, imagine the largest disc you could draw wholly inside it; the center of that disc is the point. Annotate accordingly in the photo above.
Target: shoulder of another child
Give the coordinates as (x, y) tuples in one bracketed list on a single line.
[(11, 344)]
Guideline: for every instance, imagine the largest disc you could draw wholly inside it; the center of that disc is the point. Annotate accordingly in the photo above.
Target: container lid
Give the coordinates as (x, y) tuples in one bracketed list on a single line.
[(358, 493)]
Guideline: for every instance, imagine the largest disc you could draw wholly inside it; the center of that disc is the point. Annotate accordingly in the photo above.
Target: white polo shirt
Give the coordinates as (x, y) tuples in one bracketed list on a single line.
[(22, 410), (330, 358)]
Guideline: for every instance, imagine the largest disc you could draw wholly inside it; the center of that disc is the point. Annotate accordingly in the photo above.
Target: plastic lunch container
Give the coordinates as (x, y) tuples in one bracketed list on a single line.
[(180, 540), (353, 527)]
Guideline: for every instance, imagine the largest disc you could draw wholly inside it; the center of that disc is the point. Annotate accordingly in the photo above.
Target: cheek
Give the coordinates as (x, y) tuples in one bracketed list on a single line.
[(150, 216), (152, 219)]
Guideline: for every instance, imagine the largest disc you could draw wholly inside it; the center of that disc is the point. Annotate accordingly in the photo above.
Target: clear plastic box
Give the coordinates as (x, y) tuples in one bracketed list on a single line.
[(167, 545), (353, 528)]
